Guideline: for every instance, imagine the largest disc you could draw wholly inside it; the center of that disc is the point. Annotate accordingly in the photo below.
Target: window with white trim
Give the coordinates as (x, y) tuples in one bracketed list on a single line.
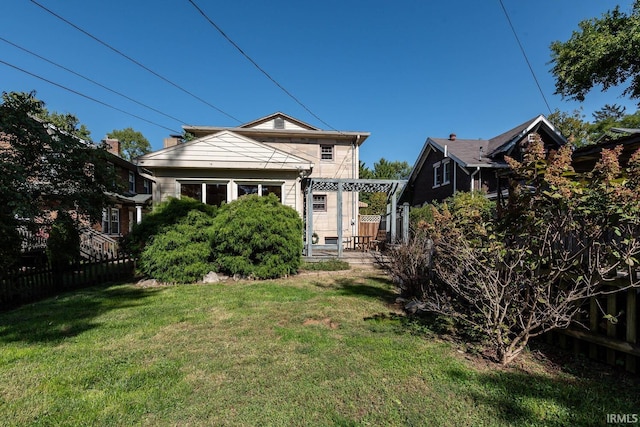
[(437, 181), (319, 203), (326, 152), (260, 188), (132, 182), (111, 221), (441, 173), (446, 171), (211, 193)]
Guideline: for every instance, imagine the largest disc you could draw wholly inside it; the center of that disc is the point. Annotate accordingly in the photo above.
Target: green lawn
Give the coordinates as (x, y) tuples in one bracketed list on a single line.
[(319, 349)]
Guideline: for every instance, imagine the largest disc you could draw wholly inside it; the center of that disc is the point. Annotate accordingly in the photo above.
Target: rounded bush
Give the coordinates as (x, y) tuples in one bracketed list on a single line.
[(180, 253), (165, 214), (257, 237)]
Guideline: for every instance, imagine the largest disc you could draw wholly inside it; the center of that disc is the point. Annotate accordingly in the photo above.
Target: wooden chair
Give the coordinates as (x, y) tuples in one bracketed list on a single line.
[(380, 241)]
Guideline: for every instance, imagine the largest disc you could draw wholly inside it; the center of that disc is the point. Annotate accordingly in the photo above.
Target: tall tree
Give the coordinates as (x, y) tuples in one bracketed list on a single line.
[(45, 169), (604, 52), (571, 126), (132, 142), (382, 169), (66, 123)]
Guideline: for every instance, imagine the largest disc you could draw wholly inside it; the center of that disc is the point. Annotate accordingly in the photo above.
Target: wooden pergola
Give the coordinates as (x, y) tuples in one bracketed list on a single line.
[(390, 187)]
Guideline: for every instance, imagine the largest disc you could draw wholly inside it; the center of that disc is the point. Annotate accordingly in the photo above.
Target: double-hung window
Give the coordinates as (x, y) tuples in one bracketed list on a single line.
[(442, 173), (326, 152), (319, 203), (132, 182), (111, 221)]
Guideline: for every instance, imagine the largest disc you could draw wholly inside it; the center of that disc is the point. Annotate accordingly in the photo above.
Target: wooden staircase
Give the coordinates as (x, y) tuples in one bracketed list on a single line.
[(95, 245)]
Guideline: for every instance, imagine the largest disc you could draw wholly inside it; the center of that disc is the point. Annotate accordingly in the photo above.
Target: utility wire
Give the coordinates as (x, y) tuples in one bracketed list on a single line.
[(86, 96), (525, 56), (90, 80), (258, 66), (135, 62)]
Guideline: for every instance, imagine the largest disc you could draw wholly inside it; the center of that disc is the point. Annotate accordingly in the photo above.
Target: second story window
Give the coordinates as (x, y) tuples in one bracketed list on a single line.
[(319, 203), (326, 152), (132, 182), (446, 172), (147, 186)]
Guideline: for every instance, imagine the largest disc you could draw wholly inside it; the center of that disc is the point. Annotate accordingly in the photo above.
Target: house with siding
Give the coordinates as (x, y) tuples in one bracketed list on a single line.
[(275, 154), (448, 165)]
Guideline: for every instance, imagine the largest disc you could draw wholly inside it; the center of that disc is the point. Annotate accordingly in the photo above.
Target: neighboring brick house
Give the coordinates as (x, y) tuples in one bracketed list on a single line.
[(448, 165), (128, 205), (273, 154)]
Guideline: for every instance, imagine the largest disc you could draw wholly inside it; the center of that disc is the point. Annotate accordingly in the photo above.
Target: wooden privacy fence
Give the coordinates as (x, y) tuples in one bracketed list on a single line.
[(28, 284), (613, 340)]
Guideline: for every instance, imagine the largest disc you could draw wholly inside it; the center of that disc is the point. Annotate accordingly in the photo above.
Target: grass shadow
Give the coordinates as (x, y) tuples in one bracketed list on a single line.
[(368, 286), (67, 315), (524, 398)]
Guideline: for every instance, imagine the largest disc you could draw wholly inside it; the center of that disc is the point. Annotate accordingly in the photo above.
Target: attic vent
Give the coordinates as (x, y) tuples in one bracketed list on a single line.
[(278, 123), (531, 137)]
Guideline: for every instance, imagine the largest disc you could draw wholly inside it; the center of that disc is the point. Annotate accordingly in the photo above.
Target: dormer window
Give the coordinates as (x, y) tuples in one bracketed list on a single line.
[(278, 123)]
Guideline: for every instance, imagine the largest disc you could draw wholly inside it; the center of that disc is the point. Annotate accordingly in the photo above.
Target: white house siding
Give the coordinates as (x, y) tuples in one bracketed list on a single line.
[(342, 166)]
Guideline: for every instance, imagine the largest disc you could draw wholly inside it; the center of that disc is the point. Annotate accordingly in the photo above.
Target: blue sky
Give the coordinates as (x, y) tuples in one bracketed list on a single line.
[(401, 70)]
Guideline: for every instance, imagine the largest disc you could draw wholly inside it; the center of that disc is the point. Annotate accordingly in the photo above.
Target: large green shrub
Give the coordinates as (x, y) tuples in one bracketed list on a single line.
[(180, 253), (257, 237), (165, 214)]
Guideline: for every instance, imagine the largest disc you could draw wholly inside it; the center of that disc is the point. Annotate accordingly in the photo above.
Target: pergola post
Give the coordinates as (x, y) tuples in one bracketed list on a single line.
[(393, 217), (309, 222), (339, 222), (405, 222)]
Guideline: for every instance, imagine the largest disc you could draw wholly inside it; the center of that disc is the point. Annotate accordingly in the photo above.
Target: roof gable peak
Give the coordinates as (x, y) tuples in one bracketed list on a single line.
[(279, 120)]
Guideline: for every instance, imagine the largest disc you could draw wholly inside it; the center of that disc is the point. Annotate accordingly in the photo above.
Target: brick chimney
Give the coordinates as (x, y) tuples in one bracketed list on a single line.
[(113, 146), (452, 137), (171, 141)]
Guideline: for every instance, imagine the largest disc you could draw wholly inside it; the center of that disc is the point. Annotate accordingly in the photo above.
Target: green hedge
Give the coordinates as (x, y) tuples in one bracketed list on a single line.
[(180, 253), (257, 237)]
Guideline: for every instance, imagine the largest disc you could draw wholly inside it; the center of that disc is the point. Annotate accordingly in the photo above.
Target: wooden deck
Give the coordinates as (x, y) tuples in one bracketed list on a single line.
[(354, 258)]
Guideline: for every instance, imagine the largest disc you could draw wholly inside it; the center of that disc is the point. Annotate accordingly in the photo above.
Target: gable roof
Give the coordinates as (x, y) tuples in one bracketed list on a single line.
[(224, 150), (265, 127), (471, 153), (505, 141), (272, 117)]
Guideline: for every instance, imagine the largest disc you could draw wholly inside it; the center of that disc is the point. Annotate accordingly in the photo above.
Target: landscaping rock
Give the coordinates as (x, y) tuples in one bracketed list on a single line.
[(211, 277)]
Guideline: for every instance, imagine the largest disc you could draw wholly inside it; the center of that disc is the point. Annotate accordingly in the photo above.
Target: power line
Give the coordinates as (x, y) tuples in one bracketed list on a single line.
[(525, 56), (135, 62), (86, 96), (90, 80), (258, 66)]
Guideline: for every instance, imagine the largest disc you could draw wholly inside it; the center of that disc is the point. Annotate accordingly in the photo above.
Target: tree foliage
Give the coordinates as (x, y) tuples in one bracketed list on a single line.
[(45, 169), (382, 169), (602, 52), (132, 142)]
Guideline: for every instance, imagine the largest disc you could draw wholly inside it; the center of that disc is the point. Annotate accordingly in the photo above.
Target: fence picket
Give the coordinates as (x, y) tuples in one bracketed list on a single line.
[(30, 284)]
